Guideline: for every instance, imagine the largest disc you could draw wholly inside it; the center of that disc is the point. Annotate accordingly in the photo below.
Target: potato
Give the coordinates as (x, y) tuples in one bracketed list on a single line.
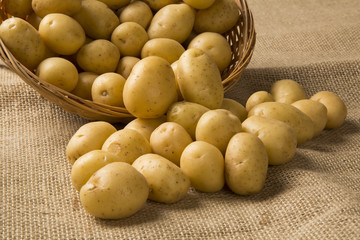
[(86, 165), (97, 19), (125, 65), (23, 41), (207, 90), (246, 164), (217, 127), (287, 91), (336, 108), (220, 17), (174, 21), (18, 8), (174, 68), (90, 136), (278, 137), (203, 163), (58, 72), (215, 45), (34, 20), (187, 114), (84, 84), (235, 108), (316, 111), (61, 33), (158, 4), (166, 48), (115, 4), (302, 125), (138, 12), (115, 191), (167, 182), (257, 98), (45, 7), (150, 88), (127, 144), (145, 126), (199, 4), (108, 89), (169, 140), (129, 37), (99, 56)]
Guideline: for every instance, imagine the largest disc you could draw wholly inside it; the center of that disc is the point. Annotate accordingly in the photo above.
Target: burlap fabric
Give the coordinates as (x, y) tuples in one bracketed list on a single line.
[(315, 196)]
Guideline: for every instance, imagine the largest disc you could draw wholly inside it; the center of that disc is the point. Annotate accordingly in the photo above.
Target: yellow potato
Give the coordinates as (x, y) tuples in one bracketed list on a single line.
[(287, 91), (215, 45), (235, 108), (278, 137), (84, 84), (207, 90), (199, 4), (246, 164), (108, 89), (336, 108), (45, 7), (174, 21), (257, 98), (61, 33), (316, 111), (125, 65), (203, 163), (88, 164), (115, 4), (302, 125), (169, 140), (187, 114), (58, 72), (130, 38), (23, 41), (18, 8), (99, 56), (138, 12), (90, 136), (217, 127), (145, 126), (127, 144), (166, 48), (158, 4), (167, 182), (115, 191), (150, 89)]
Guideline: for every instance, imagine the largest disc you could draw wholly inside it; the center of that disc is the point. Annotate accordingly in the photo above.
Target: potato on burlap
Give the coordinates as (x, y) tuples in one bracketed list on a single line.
[(287, 91)]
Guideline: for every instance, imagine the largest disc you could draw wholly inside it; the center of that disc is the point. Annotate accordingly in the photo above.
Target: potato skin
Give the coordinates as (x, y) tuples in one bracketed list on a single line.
[(84, 84), (257, 98), (115, 191), (287, 91), (45, 7), (145, 126), (108, 89), (235, 108), (169, 49), (246, 164), (138, 12), (125, 65), (18, 8)]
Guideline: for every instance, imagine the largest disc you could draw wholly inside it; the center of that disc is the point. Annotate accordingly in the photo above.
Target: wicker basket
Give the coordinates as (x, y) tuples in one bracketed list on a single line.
[(241, 39)]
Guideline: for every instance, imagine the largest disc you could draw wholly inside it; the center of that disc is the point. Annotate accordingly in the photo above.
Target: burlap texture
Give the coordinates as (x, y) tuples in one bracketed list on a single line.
[(314, 196)]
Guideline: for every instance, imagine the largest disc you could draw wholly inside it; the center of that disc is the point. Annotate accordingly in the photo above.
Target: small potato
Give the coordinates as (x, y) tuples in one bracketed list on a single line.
[(174, 21), (166, 48), (207, 90), (235, 108), (169, 140), (158, 4), (115, 4), (126, 64), (61, 33), (203, 163), (34, 20), (84, 84), (45, 7), (97, 19), (336, 108), (217, 127), (220, 17), (167, 182), (287, 91), (187, 114), (278, 137), (115, 191), (18, 8), (246, 164), (302, 125), (88, 164), (150, 89), (199, 4), (316, 111), (23, 41), (58, 72), (90, 136), (99, 56), (216, 46), (130, 38), (138, 12), (127, 144), (257, 98), (108, 89), (174, 68), (145, 126)]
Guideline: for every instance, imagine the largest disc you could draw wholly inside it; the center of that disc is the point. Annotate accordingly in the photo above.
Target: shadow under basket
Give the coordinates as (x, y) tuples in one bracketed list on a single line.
[(241, 37)]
